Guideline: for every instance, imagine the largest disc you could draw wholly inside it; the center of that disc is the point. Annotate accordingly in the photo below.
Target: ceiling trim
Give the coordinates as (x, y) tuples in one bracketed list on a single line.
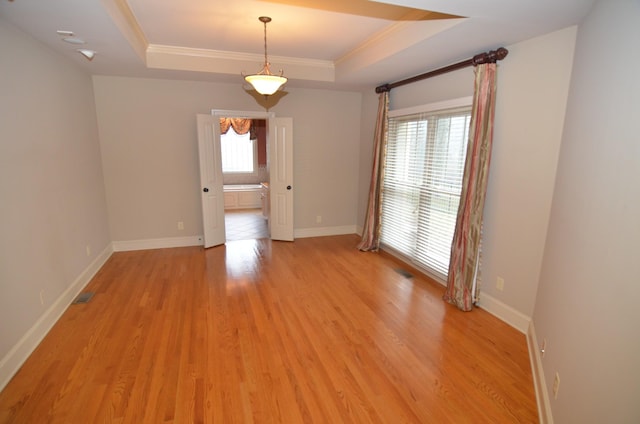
[(126, 21), (390, 41), (235, 63), (157, 56)]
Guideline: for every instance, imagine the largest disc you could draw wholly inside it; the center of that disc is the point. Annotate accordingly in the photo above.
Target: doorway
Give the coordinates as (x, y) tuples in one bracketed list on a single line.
[(280, 193), (245, 174)]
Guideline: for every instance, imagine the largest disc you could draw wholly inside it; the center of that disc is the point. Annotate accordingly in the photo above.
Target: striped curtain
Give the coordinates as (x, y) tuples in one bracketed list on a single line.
[(461, 288), (371, 231)]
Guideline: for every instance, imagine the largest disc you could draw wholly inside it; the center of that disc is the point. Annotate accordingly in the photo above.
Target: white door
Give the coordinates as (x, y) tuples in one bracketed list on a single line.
[(281, 178), (211, 180)]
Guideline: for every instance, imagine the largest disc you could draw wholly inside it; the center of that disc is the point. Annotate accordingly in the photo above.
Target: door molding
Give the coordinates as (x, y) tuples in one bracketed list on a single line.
[(242, 114), (280, 157)]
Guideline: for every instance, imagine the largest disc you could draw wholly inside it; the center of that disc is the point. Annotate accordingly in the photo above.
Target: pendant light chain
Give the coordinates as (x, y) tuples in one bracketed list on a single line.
[(265, 42)]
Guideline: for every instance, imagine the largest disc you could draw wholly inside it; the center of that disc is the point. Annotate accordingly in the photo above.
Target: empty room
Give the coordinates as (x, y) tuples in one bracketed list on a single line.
[(287, 211)]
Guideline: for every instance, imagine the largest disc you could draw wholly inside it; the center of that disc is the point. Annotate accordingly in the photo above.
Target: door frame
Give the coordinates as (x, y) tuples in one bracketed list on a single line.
[(270, 117)]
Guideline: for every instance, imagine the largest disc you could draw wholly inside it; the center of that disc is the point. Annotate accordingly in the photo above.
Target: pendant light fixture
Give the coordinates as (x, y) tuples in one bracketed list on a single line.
[(264, 82)]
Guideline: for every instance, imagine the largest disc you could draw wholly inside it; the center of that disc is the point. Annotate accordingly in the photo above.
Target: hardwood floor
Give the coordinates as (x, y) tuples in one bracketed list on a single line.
[(271, 332)]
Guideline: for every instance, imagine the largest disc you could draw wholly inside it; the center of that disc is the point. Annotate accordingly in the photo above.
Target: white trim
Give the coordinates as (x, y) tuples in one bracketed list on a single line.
[(14, 359), (505, 312), (324, 231), (243, 114), (123, 17), (432, 107), (127, 245), (539, 383), (237, 56), (490, 304), (234, 63), (399, 36)]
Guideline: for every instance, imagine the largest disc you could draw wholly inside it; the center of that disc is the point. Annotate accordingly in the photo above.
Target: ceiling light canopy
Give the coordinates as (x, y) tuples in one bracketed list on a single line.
[(264, 82)]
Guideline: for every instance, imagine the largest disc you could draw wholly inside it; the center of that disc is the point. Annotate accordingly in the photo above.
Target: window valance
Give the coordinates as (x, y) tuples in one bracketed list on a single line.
[(240, 126)]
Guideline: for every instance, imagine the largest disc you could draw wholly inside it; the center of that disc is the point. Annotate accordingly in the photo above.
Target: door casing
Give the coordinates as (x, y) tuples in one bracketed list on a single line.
[(280, 162)]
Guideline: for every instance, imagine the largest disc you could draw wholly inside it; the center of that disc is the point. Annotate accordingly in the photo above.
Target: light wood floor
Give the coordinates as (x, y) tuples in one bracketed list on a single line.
[(271, 332)]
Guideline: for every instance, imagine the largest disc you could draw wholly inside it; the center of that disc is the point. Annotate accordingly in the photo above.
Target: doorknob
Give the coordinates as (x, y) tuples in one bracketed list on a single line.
[(288, 187), (206, 190)]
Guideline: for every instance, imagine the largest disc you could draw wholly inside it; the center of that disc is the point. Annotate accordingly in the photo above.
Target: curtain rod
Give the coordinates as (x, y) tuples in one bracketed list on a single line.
[(487, 57)]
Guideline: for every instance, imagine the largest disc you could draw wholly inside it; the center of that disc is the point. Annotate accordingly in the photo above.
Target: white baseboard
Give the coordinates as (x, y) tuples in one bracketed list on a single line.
[(505, 312), (539, 383), (324, 231), (127, 245), (14, 359), (524, 324), (490, 304)]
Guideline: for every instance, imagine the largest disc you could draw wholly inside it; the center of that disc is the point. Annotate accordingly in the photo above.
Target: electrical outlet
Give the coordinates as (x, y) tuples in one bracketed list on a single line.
[(500, 284), (318, 219), (556, 385), (42, 297), (180, 225), (88, 250), (543, 347)]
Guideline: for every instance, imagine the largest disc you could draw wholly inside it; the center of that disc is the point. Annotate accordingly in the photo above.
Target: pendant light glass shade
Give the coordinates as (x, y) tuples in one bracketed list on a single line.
[(264, 82)]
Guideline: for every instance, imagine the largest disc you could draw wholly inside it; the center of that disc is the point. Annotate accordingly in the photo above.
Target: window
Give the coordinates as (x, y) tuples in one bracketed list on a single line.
[(238, 153), (422, 181)]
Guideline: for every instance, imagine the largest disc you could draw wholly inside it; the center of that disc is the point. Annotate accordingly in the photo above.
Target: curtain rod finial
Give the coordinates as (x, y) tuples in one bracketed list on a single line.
[(490, 57), (382, 88)]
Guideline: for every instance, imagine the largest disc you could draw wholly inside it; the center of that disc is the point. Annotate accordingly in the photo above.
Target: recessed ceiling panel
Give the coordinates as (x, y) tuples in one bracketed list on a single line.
[(308, 29)]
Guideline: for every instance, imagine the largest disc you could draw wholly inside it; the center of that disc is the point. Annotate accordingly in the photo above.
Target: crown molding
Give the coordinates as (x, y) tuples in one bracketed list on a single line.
[(126, 21), (226, 62), (392, 40)]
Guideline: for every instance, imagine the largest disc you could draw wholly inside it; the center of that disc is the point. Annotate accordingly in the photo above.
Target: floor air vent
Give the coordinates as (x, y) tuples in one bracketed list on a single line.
[(83, 298), (404, 273)]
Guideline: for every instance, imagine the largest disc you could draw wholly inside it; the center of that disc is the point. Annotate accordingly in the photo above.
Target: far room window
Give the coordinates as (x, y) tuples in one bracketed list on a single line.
[(422, 184), (238, 153)]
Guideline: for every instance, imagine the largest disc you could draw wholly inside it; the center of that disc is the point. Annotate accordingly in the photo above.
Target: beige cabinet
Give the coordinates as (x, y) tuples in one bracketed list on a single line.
[(243, 199)]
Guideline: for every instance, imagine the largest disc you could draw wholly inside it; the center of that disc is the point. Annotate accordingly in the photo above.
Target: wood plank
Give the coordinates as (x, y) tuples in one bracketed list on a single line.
[(270, 332)]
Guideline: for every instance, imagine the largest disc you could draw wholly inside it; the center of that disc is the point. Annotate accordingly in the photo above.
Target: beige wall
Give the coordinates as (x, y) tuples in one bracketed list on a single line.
[(531, 99), (150, 155), (587, 301), (51, 186), (530, 108)]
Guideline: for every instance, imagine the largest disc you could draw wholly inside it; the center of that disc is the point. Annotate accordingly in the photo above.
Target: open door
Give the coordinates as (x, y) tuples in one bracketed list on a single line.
[(211, 180), (281, 178)]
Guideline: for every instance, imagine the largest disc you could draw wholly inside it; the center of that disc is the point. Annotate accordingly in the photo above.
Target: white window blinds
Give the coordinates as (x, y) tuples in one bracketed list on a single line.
[(421, 185), (237, 152)]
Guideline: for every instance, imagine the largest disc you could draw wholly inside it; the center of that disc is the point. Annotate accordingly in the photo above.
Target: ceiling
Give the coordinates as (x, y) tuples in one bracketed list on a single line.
[(342, 44)]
